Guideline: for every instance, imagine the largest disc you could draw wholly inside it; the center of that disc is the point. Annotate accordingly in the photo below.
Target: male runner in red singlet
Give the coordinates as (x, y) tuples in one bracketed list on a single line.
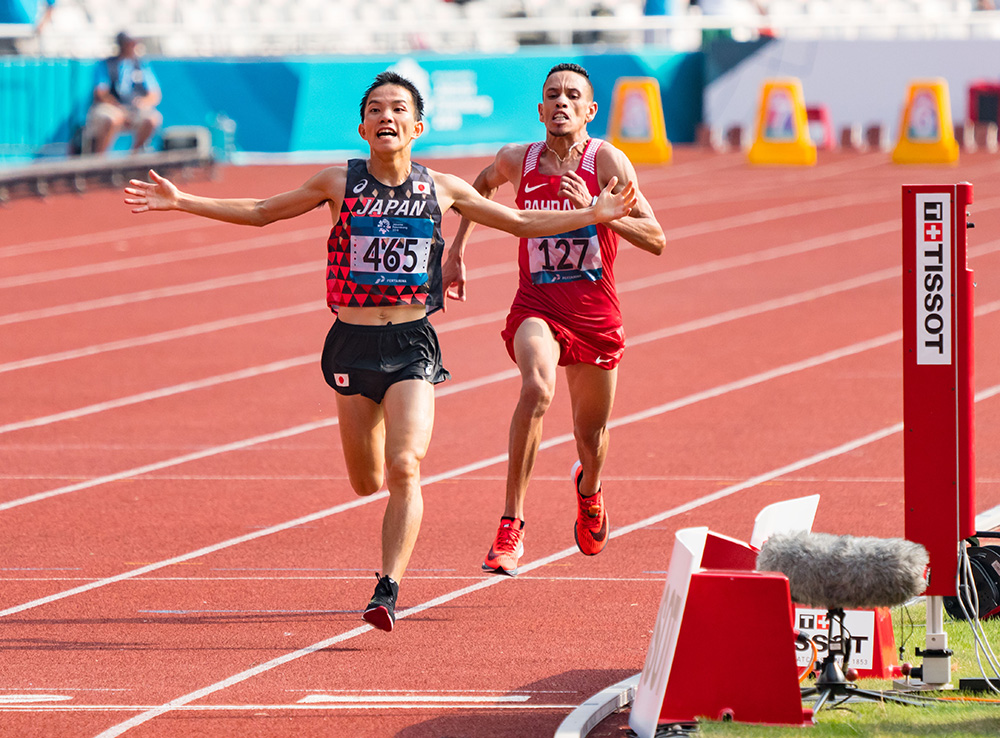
[(566, 310), (384, 277)]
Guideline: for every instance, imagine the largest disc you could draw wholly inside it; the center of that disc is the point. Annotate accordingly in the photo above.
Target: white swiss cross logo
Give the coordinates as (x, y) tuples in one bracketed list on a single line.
[(932, 231)]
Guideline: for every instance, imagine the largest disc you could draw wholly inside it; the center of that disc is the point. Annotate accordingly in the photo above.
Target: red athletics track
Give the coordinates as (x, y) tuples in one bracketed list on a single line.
[(182, 555)]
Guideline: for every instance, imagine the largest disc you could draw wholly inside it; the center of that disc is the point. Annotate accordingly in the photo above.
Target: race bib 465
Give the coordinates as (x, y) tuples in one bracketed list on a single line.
[(390, 250)]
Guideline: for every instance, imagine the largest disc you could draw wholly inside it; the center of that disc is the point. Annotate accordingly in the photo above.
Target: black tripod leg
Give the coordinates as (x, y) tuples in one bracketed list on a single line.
[(825, 695), (882, 697)]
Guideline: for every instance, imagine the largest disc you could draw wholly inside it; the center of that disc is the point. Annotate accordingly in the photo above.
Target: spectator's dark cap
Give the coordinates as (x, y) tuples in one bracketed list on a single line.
[(123, 38)]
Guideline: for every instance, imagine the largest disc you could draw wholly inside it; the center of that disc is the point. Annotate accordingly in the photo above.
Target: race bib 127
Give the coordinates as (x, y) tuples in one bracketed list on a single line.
[(566, 257)]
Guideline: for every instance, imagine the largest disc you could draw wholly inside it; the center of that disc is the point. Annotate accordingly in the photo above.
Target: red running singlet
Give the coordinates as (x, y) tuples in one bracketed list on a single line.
[(568, 279)]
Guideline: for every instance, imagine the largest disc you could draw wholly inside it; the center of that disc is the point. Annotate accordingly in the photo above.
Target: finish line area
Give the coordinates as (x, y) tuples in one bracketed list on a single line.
[(185, 554)]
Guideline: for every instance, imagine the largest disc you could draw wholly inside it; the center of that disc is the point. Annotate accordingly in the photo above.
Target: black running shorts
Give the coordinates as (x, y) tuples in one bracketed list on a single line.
[(367, 359)]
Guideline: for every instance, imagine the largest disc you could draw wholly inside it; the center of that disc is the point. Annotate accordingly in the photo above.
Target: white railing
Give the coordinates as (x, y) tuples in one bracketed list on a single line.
[(280, 35)]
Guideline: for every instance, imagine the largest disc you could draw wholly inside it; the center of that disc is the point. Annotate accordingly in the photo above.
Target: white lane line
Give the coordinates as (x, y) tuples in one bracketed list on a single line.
[(778, 212), (259, 669), (20, 699), (443, 328), (688, 327), (157, 394), (717, 319), (174, 461), (797, 248), (208, 285), (204, 551), (764, 215), (773, 213), (480, 382), (101, 238), (778, 252), (250, 372), (240, 446), (334, 690), (151, 338), (290, 707), (456, 472), (359, 699), (728, 315), (500, 268), (189, 288), (793, 249), (169, 257), (410, 577)]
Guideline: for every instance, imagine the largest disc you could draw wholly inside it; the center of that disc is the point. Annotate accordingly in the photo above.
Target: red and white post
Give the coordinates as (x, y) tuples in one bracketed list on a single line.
[(938, 397)]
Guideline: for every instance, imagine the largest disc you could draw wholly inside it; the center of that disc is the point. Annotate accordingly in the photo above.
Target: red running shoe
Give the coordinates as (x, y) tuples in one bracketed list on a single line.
[(507, 548), (592, 527)]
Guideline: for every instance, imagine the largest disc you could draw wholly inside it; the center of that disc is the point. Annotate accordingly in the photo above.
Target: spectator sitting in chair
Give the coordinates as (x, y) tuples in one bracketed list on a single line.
[(126, 94)]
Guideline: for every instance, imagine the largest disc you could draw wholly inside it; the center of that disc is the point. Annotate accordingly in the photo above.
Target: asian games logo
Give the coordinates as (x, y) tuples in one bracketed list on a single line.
[(384, 226), (450, 95)]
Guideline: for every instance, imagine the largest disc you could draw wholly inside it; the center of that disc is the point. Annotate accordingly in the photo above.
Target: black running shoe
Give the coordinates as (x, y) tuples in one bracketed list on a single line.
[(381, 611)]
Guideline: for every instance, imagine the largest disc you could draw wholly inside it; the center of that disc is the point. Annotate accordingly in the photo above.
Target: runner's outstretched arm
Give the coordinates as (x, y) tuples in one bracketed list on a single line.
[(162, 194)]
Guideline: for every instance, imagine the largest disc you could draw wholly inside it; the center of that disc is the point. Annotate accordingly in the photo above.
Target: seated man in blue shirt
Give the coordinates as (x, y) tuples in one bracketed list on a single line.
[(126, 94)]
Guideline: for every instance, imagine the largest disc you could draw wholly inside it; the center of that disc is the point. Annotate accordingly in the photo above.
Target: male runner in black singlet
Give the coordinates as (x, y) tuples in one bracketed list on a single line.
[(384, 278)]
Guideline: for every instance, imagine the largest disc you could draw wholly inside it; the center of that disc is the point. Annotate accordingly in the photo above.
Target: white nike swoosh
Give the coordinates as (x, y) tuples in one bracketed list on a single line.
[(528, 189)]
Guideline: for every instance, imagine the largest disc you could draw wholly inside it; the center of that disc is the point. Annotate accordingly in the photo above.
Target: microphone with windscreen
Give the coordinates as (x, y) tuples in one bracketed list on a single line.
[(846, 572), (838, 572)]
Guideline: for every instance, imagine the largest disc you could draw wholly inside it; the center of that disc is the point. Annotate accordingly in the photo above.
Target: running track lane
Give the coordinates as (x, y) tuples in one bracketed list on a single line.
[(174, 633)]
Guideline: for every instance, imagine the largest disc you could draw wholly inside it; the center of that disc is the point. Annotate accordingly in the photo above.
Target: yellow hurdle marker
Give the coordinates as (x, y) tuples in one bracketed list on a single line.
[(636, 125), (782, 126), (926, 135)]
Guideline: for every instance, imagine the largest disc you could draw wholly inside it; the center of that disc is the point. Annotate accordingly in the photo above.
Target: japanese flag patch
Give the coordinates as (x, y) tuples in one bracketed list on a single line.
[(421, 188), (342, 380)]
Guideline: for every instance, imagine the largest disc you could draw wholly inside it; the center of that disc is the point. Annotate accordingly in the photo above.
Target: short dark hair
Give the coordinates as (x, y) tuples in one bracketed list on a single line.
[(571, 67), (391, 78), (123, 38)]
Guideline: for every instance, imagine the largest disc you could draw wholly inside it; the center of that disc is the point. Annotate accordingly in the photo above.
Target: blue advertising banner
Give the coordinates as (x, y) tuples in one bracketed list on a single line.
[(308, 109)]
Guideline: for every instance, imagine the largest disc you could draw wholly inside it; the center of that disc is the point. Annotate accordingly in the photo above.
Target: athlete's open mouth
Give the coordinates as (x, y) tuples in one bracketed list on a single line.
[(385, 132)]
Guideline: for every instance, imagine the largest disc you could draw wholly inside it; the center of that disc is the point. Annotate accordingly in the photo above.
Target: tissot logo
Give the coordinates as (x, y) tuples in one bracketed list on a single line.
[(934, 279)]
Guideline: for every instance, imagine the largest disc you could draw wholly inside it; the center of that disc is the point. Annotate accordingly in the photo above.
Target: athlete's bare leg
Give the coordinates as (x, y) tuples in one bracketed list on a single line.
[(409, 420), (537, 353), (395, 437), (592, 395), (362, 436)]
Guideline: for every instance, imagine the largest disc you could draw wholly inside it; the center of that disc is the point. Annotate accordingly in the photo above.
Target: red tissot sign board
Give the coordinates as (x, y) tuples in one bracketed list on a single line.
[(938, 384)]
